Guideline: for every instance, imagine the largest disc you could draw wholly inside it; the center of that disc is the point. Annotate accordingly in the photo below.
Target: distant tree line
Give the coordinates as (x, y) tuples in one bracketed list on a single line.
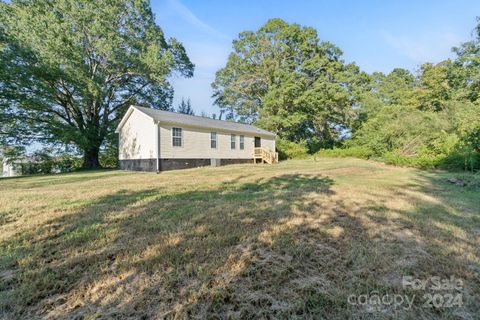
[(185, 107), (284, 79), (69, 70)]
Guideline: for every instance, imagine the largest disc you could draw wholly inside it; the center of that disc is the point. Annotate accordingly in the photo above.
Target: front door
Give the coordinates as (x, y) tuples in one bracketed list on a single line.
[(258, 142)]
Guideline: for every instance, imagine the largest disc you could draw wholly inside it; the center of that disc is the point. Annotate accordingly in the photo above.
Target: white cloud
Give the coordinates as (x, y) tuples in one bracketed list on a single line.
[(187, 15)]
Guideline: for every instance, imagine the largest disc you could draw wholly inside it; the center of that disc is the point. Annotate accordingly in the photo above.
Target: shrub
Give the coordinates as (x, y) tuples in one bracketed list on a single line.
[(109, 155), (473, 139), (42, 163), (399, 128), (461, 158), (424, 161), (406, 136), (291, 150), (67, 163), (356, 152), (109, 160)]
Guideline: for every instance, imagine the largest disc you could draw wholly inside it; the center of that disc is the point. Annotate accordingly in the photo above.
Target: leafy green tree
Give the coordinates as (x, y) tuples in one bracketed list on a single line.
[(70, 68), (430, 90), (380, 90), (466, 117), (473, 139), (185, 107), (466, 74), (434, 90), (400, 128), (283, 78), (12, 130), (396, 88), (425, 119)]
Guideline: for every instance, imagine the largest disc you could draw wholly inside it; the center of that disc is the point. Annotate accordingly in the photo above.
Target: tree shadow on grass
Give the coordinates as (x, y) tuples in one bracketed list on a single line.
[(282, 247), (145, 253), (438, 236), (309, 266)]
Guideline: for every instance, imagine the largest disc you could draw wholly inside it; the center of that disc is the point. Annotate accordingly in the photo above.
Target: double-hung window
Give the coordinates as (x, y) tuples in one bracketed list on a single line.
[(233, 139), (213, 140), (177, 137), (242, 142)]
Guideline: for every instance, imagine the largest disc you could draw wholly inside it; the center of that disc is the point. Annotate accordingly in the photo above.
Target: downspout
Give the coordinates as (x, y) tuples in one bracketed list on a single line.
[(157, 139)]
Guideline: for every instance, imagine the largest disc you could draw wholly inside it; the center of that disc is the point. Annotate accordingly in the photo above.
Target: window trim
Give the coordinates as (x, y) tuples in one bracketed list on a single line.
[(233, 141), (213, 140), (242, 142), (177, 137)]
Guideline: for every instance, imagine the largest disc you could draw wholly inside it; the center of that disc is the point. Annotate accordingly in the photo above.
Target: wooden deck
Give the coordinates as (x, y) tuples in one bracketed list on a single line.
[(265, 155)]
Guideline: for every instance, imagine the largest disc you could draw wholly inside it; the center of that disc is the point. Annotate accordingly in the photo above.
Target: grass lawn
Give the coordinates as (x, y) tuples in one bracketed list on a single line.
[(293, 240)]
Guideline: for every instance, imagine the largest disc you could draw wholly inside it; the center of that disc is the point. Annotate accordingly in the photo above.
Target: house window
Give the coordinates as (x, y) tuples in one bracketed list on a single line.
[(177, 137), (242, 142), (232, 141), (213, 140)]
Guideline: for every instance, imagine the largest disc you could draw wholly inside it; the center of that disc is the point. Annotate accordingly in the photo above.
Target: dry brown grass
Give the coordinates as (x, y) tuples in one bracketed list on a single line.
[(292, 240)]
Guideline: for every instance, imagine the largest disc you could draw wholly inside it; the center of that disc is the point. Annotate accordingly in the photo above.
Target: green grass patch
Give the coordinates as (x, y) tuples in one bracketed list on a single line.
[(291, 240)]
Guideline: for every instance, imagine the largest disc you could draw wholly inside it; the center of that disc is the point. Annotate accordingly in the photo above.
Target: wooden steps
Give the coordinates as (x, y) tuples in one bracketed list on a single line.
[(265, 155)]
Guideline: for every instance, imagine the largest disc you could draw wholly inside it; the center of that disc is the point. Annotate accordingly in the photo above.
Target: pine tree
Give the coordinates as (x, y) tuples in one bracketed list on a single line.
[(185, 107)]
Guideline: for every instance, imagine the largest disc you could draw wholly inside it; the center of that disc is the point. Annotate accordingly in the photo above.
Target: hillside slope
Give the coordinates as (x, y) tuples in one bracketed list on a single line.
[(293, 240)]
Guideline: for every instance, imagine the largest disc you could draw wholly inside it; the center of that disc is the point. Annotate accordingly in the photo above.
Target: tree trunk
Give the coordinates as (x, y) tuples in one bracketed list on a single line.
[(90, 158)]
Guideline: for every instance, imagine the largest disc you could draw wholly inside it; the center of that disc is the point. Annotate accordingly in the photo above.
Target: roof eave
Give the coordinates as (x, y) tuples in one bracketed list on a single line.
[(269, 134), (124, 119), (132, 107), (128, 114)]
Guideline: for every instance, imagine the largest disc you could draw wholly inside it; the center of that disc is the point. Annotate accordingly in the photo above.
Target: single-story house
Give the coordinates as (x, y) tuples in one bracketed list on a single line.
[(157, 140)]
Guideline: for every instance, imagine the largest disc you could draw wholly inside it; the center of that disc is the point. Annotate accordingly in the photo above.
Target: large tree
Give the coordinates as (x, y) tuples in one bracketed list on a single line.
[(286, 80), (430, 118), (70, 68), (395, 88), (465, 77)]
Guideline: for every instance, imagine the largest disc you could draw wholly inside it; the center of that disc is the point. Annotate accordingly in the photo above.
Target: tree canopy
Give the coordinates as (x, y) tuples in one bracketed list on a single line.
[(70, 68), (283, 78), (430, 118)]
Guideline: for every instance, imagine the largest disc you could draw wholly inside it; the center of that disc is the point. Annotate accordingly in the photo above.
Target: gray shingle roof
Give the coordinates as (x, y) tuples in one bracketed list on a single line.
[(195, 121)]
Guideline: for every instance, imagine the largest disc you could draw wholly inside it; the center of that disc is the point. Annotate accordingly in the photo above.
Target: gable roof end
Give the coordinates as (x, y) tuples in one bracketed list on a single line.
[(124, 119)]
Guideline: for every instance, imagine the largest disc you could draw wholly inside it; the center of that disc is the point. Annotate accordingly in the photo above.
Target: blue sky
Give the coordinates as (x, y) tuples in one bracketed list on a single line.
[(376, 35)]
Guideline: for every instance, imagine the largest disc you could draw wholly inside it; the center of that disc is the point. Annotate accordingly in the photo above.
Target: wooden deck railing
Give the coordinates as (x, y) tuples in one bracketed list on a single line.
[(265, 155)]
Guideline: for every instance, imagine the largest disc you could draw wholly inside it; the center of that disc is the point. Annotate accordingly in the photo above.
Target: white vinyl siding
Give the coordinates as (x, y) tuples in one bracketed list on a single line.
[(137, 138), (196, 144)]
